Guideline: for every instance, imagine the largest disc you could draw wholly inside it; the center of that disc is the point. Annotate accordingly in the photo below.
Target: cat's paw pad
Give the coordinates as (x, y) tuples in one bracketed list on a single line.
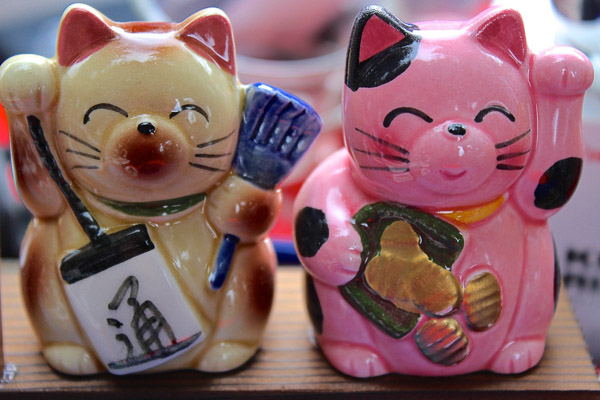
[(482, 301), (225, 356), (519, 356), (443, 341), (355, 360), (71, 359)]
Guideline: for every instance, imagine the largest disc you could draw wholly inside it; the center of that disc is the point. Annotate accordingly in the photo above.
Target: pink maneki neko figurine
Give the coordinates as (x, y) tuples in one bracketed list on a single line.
[(152, 175), (426, 238)]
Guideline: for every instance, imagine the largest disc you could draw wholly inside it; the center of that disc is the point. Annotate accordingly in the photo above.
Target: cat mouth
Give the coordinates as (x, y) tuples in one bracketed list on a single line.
[(452, 174)]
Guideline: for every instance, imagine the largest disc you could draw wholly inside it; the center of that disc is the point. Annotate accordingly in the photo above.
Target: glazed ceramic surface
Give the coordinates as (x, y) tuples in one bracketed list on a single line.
[(151, 173), (426, 238)]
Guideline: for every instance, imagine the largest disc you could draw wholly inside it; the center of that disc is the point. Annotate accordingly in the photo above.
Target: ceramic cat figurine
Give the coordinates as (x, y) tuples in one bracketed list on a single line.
[(151, 173), (426, 238)]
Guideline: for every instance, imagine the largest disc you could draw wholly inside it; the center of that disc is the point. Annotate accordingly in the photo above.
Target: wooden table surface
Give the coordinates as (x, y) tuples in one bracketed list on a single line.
[(290, 366)]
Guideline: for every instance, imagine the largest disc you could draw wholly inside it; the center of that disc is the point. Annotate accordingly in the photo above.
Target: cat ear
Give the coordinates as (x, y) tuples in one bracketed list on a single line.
[(381, 48), (209, 34), (82, 31), (502, 31)]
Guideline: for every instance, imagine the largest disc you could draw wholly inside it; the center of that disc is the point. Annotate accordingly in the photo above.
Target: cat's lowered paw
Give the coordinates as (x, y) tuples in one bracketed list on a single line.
[(519, 356), (71, 359), (355, 360), (225, 356)]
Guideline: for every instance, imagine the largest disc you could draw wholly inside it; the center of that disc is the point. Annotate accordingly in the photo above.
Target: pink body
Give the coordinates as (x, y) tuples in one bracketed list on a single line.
[(478, 117)]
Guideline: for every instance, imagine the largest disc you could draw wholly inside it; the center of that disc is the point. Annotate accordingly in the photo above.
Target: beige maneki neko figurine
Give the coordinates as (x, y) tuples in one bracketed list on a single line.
[(152, 175)]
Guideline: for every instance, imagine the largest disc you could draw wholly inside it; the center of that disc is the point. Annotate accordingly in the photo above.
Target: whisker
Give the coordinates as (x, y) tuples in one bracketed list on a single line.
[(384, 156), (85, 167), (80, 153), (507, 167), (384, 142), (514, 140), (78, 140), (390, 169), (215, 141), (212, 155), (507, 156), (206, 167)]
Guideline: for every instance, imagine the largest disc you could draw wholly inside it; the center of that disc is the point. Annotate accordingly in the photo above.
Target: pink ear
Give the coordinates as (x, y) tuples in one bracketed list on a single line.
[(377, 35), (502, 31), (82, 31), (210, 36)]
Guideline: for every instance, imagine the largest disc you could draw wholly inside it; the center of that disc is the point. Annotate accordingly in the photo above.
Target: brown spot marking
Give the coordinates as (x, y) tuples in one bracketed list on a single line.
[(38, 279), (31, 282), (255, 216), (147, 156), (261, 285)]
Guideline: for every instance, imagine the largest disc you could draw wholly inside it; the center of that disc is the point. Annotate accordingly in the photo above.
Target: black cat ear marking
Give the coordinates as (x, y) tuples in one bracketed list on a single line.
[(381, 48)]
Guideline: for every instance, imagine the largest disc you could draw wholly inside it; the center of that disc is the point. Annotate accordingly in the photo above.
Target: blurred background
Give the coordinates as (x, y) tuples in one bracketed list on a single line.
[(300, 47)]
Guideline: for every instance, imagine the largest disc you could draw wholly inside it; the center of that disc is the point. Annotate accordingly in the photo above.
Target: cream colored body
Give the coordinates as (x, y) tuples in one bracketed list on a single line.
[(149, 75)]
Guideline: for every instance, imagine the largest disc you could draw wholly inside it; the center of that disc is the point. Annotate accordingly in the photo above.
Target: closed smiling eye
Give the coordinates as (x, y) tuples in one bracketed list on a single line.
[(495, 108), (387, 121), (191, 107), (103, 106)]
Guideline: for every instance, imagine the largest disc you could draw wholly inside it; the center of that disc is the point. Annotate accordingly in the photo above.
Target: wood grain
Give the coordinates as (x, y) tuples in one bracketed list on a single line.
[(290, 366)]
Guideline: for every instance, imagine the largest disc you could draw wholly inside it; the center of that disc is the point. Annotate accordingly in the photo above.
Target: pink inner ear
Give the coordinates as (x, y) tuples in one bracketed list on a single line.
[(377, 36), (81, 34), (505, 32), (211, 36)]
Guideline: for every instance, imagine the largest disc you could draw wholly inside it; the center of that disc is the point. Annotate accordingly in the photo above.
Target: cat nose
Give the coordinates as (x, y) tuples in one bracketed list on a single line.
[(146, 128), (457, 129)]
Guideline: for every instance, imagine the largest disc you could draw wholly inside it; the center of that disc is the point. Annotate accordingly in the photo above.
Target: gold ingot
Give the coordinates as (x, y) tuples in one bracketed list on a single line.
[(443, 341), (483, 301), (403, 274)]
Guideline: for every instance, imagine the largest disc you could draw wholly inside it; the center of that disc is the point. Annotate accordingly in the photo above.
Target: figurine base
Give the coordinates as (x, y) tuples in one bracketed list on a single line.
[(289, 365)]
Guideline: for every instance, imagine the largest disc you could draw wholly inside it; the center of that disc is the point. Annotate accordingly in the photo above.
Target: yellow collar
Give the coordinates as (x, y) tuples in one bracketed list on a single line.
[(472, 214)]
